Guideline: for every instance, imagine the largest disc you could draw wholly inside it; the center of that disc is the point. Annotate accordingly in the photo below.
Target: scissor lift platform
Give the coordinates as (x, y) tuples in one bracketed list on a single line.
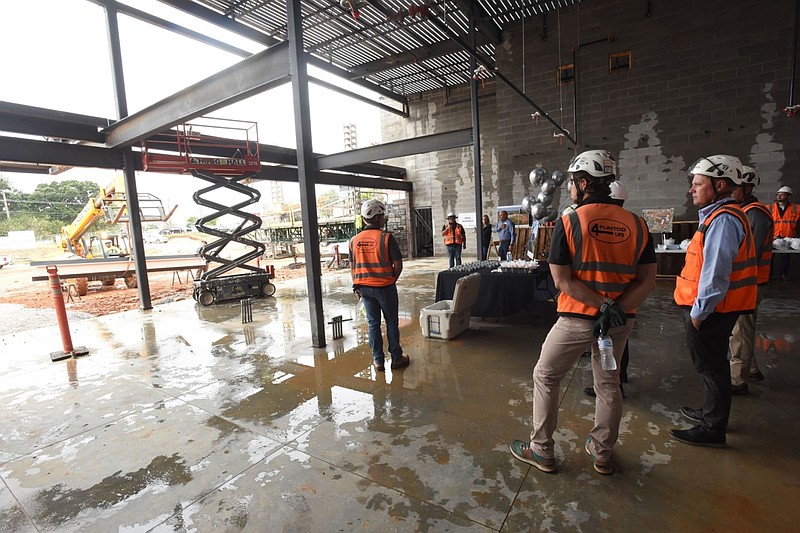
[(207, 292)]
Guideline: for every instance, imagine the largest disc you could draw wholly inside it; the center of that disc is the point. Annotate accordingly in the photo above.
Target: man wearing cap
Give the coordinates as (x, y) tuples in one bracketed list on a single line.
[(785, 214), (455, 239), (743, 339), (716, 285), (505, 233)]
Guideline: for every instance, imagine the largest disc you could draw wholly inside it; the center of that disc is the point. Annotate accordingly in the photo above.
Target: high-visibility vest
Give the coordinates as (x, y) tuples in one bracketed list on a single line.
[(369, 258), (742, 291), (605, 243), (763, 262), (454, 236), (786, 224)]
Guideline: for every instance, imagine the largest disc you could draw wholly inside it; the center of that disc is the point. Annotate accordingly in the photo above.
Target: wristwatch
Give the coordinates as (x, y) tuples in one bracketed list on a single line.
[(608, 302)]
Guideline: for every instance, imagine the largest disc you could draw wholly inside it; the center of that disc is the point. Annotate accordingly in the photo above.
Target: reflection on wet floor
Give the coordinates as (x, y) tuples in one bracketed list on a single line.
[(184, 419)]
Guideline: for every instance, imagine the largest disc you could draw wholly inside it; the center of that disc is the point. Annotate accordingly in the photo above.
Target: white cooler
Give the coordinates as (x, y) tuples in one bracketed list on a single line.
[(448, 318)]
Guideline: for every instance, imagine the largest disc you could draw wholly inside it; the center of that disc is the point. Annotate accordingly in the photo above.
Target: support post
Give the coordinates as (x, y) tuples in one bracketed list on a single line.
[(476, 138), (61, 315)]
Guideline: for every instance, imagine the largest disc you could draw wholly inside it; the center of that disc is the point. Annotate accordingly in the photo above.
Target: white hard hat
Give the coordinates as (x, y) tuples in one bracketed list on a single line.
[(372, 208), (451, 214), (718, 166), (596, 163), (785, 189), (618, 191), (749, 176)]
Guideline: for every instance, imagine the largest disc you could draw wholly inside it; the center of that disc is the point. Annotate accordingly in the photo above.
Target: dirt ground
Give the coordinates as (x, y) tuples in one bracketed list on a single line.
[(16, 286)]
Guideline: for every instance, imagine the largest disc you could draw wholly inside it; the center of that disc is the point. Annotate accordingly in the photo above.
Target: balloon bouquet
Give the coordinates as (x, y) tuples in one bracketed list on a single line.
[(540, 205)]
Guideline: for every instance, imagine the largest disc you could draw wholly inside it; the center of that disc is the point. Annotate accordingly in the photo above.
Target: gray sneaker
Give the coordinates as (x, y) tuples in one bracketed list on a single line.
[(522, 451)]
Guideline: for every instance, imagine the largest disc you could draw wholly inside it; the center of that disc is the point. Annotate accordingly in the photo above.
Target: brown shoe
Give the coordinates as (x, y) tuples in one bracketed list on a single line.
[(601, 467), (404, 362), (522, 451), (740, 390)]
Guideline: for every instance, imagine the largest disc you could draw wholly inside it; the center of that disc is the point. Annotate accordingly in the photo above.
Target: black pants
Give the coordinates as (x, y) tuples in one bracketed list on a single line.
[(709, 350)]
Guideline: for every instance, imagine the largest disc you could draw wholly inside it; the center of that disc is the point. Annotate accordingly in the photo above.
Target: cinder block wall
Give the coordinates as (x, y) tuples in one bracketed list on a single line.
[(707, 77)]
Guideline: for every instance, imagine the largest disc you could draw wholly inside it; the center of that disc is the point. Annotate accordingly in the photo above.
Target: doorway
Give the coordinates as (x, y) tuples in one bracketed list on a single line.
[(423, 232)]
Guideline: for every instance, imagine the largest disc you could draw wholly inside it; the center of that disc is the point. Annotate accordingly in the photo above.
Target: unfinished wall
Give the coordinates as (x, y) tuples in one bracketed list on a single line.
[(707, 77)]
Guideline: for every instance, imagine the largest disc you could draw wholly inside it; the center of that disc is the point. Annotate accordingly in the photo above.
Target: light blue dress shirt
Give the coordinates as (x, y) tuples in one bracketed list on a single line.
[(722, 240), (507, 233)]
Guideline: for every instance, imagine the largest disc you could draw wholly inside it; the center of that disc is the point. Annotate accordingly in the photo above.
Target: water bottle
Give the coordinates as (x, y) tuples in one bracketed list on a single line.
[(606, 348)]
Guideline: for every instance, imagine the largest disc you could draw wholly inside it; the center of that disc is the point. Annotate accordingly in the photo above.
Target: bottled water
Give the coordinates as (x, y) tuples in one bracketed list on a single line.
[(606, 348)]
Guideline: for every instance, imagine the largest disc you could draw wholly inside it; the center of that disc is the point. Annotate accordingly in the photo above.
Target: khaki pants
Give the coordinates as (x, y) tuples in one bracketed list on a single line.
[(565, 343), (742, 345)]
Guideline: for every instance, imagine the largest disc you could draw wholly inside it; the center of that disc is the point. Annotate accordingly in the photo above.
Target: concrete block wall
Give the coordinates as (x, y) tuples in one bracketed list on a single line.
[(397, 222), (707, 78)]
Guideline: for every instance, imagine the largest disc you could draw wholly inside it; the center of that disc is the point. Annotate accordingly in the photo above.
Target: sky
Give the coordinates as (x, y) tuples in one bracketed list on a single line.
[(60, 60)]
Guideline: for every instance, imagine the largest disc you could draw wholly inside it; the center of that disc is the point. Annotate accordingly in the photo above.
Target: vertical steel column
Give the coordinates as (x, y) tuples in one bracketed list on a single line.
[(128, 166), (476, 135), (306, 169)]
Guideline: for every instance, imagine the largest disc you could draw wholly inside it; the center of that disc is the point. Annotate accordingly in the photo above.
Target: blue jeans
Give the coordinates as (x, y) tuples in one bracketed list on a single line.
[(503, 250), (454, 254), (377, 299)]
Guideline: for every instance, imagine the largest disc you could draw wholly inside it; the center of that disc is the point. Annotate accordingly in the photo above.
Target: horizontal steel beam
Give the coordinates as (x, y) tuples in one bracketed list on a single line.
[(418, 145), (253, 75), (19, 150), (29, 120), (219, 19), (289, 174), (356, 79)]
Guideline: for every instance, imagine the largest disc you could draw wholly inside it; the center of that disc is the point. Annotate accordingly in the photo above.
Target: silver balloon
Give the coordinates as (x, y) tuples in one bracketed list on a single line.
[(537, 176), (544, 199), (527, 202), (538, 211), (549, 186), (550, 215), (558, 177), (546, 174)]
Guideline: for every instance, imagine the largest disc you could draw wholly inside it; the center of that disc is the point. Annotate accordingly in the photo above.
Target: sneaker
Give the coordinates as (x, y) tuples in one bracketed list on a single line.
[(601, 467), (757, 376), (740, 390), (522, 451), (404, 362), (693, 415), (698, 436)]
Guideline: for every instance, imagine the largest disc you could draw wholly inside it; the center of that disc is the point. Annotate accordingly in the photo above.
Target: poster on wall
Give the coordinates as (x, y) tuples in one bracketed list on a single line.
[(467, 220), (659, 220)]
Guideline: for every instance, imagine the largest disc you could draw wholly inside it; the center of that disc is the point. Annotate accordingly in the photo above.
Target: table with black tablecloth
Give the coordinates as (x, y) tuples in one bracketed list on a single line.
[(530, 295)]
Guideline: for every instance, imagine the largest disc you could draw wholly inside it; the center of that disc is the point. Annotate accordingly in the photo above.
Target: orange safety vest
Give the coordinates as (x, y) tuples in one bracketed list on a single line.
[(605, 243), (455, 236), (765, 260), (741, 295), (786, 225), (369, 255)]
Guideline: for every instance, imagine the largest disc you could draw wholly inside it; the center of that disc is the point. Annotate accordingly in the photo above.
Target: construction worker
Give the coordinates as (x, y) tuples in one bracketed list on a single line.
[(743, 338), (785, 215), (376, 263), (716, 285), (455, 239), (603, 261)]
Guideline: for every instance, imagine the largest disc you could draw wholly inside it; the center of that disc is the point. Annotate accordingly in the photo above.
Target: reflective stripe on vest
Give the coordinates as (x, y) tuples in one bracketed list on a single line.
[(605, 243), (369, 253), (741, 295), (765, 260), (786, 224), (454, 236)]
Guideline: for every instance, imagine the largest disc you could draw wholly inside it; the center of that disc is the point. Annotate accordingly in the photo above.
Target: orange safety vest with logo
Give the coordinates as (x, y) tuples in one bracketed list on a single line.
[(454, 236), (605, 243), (741, 295), (763, 262), (786, 224), (369, 255)]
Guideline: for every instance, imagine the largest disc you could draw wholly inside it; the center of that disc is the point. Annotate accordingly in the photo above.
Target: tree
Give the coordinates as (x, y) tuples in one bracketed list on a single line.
[(61, 201)]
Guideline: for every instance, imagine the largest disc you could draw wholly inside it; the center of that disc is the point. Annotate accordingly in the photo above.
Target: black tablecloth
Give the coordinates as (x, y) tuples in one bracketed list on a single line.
[(504, 294)]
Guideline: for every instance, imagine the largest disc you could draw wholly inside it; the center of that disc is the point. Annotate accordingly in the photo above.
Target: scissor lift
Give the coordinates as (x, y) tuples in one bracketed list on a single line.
[(223, 153)]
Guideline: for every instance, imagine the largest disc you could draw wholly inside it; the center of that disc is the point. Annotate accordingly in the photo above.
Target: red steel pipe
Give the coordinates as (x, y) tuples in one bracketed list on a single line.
[(61, 315)]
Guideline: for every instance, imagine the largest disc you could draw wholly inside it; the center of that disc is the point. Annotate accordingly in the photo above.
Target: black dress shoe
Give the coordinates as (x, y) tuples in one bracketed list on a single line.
[(694, 415), (698, 436), (757, 376)]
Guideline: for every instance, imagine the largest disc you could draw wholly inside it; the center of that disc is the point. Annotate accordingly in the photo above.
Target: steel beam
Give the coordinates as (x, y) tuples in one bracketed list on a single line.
[(218, 19), (20, 150), (251, 76), (31, 120), (417, 145)]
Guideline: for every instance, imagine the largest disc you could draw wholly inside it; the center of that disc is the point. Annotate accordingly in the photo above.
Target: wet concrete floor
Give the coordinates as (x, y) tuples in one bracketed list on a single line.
[(184, 419)]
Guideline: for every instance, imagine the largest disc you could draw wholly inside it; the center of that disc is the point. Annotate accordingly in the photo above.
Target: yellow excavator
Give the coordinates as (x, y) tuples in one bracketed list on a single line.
[(109, 204)]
